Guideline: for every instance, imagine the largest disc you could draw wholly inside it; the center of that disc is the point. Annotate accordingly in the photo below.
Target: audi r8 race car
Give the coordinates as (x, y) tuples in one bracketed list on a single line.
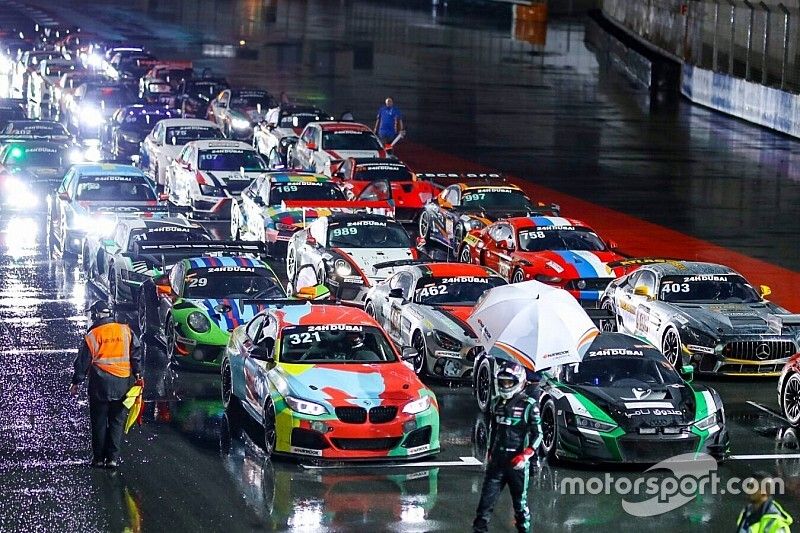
[(789, 391), (208, 175), (88, 198), (705, 314), (350, 252), (472, 203), (426, 307), (167, 140), (129, 125), (194, 309), (326, 382), (289, 121), (237, 111), (137, 250), (558, 251), (31, 170), (626, 403), (387, 179), (324, 146)]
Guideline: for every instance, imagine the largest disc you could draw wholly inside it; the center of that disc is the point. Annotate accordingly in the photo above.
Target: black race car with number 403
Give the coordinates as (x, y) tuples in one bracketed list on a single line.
[(625, 403)]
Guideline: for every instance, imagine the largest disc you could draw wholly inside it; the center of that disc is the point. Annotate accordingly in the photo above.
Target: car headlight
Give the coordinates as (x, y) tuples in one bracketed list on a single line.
[(342, 268), (240, 124), (548, 279), (473, 223), (198, 322), (91, 116), (591, 423), (75, 156), (417, 406), (93, 154), (210, 190), (305, 407), (707, 422), (446, 341), (17, 194)]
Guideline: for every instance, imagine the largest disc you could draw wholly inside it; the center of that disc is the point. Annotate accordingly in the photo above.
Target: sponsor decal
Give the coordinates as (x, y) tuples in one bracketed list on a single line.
[(464, 279), (98, 179), (419, 449), (336, 327), (705, 277), (638, 394), (615, 351), (555, 266), (231, 269), (700, 349), (305, 451), (163, 229)]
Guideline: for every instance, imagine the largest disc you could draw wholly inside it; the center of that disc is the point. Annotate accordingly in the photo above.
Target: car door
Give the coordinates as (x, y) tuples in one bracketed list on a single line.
[(498, 248), (624, 302), (252, 207), (165, 301), (303, 153), (181, 173), (394, 307), (256, 370), (639, 318)]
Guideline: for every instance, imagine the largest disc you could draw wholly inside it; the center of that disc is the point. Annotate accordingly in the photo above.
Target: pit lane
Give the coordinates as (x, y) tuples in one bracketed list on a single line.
[(187, 469)]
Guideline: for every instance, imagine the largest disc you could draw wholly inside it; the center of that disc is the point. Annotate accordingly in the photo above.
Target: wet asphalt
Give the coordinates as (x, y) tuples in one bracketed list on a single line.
[(546, 112)]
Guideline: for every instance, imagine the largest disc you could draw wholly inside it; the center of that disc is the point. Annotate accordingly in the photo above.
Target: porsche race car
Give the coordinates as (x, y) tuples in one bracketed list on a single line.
[(324, 381)]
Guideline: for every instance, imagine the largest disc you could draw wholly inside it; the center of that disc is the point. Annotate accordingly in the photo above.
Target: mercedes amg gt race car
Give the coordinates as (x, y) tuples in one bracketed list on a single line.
[(558, 251), (350, 252), (705, 314), (326, 382), (789, 391), (167, 140), (473, 203), (426, 307), (626, 403), (324, 146), (194, 308), (137, 250), (208, 175)]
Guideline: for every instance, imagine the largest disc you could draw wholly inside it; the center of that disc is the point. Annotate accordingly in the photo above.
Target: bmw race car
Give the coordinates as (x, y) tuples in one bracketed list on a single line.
[(89, 197), (350, 252), (558, 251), (166, 141), (208, 175), (426, 307), (707, 315), (138, 249), (326, 382), (194, 309), (472, 203), (626, 403), (271, 140), (324, 146)]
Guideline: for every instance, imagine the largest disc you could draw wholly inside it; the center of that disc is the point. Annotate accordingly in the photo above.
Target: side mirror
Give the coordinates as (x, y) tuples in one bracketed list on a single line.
[(163, 287), (312, 146), (396, 293), (64, 196), (262, 353), (764, 291), (258, 201), (409, 353), (687, 373), (642, 290)]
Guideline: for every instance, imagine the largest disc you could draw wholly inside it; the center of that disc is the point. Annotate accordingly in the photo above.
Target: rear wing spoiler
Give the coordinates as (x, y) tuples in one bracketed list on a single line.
[(210, 248), (377, 207), (444, 179)]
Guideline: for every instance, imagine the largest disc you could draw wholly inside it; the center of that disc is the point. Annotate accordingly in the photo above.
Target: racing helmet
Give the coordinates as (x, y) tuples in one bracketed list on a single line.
[(355, 340), (509, 379), (99, 310)]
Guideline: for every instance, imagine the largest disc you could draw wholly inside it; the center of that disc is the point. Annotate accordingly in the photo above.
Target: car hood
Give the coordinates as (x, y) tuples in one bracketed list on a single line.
[(731, 319), (235, 181), (287, 132), (104, 206), (227, 313), (451, 317), (367, 258), (572, 264), (345, 154), (350, 384), (171, 151)]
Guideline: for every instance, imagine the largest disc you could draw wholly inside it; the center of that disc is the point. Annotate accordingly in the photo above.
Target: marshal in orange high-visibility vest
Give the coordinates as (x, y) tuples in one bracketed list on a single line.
[(110, 347)]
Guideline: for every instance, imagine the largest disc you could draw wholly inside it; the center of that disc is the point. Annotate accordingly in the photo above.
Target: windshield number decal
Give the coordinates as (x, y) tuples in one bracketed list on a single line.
[(306, 337), (197, 282)]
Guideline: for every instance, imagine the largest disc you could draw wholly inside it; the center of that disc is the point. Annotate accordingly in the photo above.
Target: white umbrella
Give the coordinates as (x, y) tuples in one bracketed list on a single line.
[(537, 325)]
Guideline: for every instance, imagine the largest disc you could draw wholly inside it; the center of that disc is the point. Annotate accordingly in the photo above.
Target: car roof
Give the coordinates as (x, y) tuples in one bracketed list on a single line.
[(221, 144), (442, 270), (288, 177), (322, 314), (176, 122), (104, 169), (211, 262), (378, 161), (342, 126), (683, 268), (543, 222), (337, 216)]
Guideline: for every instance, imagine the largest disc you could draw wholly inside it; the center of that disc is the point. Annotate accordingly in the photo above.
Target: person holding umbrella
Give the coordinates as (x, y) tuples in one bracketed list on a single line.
[(514, 435), (110, 356)]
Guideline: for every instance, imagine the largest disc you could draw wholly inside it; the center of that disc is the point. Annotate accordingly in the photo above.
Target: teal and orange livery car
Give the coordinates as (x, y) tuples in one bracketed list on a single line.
[(326, 382)]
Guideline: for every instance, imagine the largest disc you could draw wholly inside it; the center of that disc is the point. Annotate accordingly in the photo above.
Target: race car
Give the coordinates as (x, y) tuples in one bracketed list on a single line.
[(11, 109), (166, 141), (43, 80), (474, 202), (326, 382), (30, 170), (705, 314), (426, 306), (389, 180), (350, 252), (237, 111), (194, 94), (193, 310), (290, 119), (67, 84), (129, 125), (626, 403), (88, 198), (162, 78), (50, 130), (92, 106), (208, 175), (558, 251), (261, 213), (324, 146), (789, 391), (138, 249)]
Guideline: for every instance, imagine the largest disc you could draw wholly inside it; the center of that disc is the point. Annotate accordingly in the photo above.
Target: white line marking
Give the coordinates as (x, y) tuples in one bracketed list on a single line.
[(23, 352), (765, 456), (463, 461), (767, 410)]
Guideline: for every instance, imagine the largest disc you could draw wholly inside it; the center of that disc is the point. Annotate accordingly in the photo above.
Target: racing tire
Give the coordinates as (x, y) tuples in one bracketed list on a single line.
[(231, 403), (291, 263), (112, 284), (518, 276), (483, 386), (270, 428), (424, 225), (169, 337), (671, 346), (465, 256), (790, 399), (147, 314), (549, 429), (459, 234), (421, 361), (369, 308)]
